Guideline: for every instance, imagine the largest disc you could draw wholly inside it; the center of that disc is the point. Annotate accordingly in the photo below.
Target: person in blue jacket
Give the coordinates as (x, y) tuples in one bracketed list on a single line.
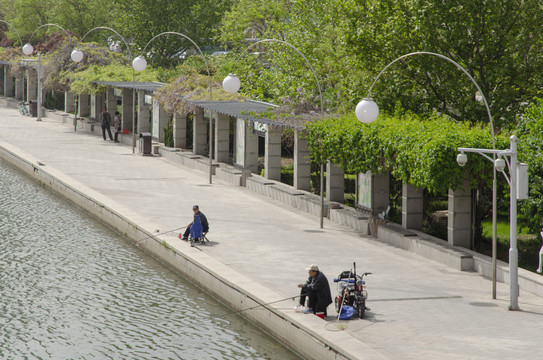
[(203, 221)]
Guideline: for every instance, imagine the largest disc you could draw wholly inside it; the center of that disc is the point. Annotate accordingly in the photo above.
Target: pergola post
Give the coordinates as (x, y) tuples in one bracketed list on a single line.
[(272, 153), (302, 162), (222, 138)]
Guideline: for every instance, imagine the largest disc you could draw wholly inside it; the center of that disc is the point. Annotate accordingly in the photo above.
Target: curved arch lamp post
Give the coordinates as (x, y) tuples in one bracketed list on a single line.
[(232, 84), (28, 50), (77, 56), (367, 112), (140, 64), (16, 32)]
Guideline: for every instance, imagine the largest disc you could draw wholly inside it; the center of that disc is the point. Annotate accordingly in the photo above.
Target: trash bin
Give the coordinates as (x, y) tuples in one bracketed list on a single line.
[(33, 108), (145, 143)]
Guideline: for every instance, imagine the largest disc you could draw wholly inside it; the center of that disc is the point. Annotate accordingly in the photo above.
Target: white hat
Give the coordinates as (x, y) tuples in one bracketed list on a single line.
[(313, 267)]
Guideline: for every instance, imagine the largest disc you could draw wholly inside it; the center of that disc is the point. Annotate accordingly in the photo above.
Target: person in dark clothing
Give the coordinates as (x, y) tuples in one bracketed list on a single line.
[(317, 290), (203, 220), (117, 125), (105, 121)]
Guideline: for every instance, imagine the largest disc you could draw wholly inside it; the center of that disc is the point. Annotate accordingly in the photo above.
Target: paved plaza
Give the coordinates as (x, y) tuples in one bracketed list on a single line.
[(420, 309)]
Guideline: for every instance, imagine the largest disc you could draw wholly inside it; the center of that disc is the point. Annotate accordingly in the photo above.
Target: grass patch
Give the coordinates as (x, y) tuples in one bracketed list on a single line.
[(528, 244)]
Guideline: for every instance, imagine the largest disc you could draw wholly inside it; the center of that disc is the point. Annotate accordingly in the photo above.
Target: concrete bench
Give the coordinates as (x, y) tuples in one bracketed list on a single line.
[(259, 184), (285, 194), (229, 174), (351, 218), (312, 204), (427, 246)]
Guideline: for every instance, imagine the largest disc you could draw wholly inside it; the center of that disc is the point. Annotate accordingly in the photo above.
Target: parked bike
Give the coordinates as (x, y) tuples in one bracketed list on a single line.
[(23, 109), (351, 292)]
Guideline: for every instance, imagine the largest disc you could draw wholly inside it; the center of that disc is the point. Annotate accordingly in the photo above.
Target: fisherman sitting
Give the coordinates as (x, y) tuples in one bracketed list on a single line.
[(201, 219), (317, 290)]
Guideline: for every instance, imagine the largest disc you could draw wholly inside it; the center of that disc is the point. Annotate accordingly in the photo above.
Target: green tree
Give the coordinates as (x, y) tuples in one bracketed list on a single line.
[(498, 42), (143, 19)]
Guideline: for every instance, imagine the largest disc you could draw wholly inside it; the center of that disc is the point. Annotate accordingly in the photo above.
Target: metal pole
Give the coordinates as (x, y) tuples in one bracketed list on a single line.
[(513, 252), (39, 89), (133, 117), (76, 112), (211, 115), (494, 231), (322, 196)]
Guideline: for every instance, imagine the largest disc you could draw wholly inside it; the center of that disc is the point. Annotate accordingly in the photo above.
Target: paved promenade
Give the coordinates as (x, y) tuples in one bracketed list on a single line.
[(419, 309)]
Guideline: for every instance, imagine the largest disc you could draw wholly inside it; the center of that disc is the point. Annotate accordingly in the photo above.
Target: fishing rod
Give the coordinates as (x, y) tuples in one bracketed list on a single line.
[(158, 233), (257, 306)]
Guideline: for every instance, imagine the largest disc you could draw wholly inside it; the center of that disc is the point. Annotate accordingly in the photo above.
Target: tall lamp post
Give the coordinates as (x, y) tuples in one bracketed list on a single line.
[(140, 64), (28, 50), (77, 56), (231, 84), (367, 111), (518, 185)]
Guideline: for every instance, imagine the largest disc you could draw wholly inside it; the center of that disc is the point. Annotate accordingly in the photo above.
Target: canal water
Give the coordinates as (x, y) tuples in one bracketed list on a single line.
[(70, 288)]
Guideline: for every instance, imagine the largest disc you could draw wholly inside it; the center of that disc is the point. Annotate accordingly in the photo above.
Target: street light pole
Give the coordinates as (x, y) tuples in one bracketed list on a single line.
[(512, 180), (231, 84), (367, 111), (77, 56), (39, 109), (139, 64)]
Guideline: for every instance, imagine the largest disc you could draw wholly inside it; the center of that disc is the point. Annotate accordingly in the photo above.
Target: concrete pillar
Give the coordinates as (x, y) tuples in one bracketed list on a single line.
[(69, 102), (380, 193), (127, 110), (160, 121), (8, 82), (412, 207), (459, 216), (222, 138), (83, 105), (251, 149), (20, 86), (144, 114), (302, 163), (335, 183), (373, 192), (272, 153), (111, 100), (31, 85), (2, 80), (199, 133), (180, 130), (97, 105)]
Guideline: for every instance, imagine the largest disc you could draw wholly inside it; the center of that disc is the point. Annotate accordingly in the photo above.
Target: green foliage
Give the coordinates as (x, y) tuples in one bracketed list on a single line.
[(418, 151), (168, 134), (77, 17), (498, 42), (144, 19), (530, 148)]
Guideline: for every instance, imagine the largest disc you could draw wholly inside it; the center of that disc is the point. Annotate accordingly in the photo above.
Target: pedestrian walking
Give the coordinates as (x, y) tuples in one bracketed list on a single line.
[(105, 121), (117, 125)]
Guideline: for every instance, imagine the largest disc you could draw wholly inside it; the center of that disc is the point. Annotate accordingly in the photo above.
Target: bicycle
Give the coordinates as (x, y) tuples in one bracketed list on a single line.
[(23, 109)]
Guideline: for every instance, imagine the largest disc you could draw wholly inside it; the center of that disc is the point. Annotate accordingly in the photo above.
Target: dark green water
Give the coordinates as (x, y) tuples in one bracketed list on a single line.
[(70, 288)]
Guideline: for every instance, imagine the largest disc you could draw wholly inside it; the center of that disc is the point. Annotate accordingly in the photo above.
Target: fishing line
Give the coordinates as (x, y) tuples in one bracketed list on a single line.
[(257, 306)]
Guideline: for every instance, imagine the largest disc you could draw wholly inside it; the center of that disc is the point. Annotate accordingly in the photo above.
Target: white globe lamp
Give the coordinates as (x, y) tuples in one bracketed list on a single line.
[(28, 49), (367, 111), (139, 63), (231, 84), (77, 55)]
